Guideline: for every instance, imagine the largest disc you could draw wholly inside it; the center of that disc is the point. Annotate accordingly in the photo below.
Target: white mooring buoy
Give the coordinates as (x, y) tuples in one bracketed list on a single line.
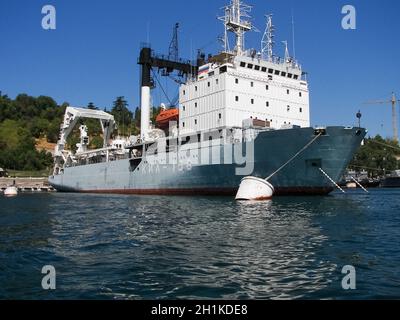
[(11, 192), (252, 188)]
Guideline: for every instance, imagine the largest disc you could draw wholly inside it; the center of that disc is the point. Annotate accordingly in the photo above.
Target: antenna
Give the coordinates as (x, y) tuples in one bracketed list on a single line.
[(174, 47), (267, 42), (293, 36), (287, 55)]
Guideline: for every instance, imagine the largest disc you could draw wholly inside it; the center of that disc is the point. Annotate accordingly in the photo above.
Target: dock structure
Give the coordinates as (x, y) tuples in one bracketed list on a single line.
[(27, 184)]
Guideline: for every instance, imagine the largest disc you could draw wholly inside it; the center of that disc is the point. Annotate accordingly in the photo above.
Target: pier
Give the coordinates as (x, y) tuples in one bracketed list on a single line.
[(27, 184)]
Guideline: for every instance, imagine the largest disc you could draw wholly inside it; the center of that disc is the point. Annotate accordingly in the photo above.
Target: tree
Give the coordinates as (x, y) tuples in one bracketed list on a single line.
[(377, 156), (122, 115), (91, 106)]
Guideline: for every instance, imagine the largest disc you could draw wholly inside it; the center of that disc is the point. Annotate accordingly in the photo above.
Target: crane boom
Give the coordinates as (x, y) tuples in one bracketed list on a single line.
[(393, 101)]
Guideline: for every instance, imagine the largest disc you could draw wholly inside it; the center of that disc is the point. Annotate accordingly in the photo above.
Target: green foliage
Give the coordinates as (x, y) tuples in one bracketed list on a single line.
[(377, 156), (122, 115), (26, 118)]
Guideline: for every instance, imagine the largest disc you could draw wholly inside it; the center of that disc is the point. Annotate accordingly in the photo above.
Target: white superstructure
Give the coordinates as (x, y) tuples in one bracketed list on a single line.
[(240, 84)]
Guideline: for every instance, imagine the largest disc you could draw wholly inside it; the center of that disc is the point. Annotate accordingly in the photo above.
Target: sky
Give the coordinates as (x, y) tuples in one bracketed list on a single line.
[(92, 54)]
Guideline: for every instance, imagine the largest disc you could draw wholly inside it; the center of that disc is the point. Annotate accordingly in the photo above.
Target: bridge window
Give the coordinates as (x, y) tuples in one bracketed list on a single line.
[(264, 69), (257, 68), (223, 69), (271, 71), (283, 74), (277, 72), (296, 77), (250, 66), (290, 75), (242, 64)]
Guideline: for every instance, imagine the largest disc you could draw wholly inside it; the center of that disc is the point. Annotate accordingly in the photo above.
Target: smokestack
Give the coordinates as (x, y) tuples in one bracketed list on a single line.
[(145, 61)]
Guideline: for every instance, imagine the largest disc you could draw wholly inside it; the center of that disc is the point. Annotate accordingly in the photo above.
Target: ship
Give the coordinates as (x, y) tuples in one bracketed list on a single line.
[(241, 112), (392, 180)]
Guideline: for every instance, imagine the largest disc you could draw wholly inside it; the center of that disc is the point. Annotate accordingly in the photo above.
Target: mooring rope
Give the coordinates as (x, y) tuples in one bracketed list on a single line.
[(331, 180), (359, 184), (295, 156)]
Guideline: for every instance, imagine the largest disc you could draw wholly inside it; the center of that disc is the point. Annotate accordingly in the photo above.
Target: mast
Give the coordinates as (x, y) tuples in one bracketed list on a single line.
[(267, 42), (236, 20)]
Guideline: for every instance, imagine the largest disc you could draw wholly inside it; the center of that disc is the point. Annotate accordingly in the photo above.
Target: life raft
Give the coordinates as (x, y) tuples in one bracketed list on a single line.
[(167, 116)]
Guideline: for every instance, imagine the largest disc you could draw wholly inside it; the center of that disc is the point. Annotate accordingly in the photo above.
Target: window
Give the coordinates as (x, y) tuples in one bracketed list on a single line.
[(242, 64), (271, 71), (252, 101), (211, 74), (301, 110), (295, 77), (288, 91), (237, 81), (283, 74), (216, 81), (220, 116), (195, 121), (277, 72), (184, 108), (183, 124), (288, 108), (257, 68), (264, 69), (252, 84), (195, 88), (267, 103), (250, 66), (223, 69), (300, 94), (237, 98), (267, 87), (290, 75), (195, 104), (208, 84), (184, 92)]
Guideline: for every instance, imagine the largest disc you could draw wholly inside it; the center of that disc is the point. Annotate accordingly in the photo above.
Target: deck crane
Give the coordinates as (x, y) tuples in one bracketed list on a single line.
[(393, 101)]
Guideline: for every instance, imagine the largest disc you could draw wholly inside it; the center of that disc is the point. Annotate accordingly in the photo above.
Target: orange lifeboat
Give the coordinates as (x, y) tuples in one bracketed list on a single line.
[(167, 116)]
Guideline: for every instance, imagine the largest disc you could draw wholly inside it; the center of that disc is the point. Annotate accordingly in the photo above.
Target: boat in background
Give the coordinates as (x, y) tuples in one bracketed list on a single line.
[(392, 180)]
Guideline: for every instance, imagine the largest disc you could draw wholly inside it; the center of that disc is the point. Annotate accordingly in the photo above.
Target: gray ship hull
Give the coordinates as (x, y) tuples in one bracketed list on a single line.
[(332, 152)]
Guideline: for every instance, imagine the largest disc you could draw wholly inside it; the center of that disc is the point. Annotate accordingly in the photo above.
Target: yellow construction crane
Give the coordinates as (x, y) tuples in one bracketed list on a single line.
[(393, 101)]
